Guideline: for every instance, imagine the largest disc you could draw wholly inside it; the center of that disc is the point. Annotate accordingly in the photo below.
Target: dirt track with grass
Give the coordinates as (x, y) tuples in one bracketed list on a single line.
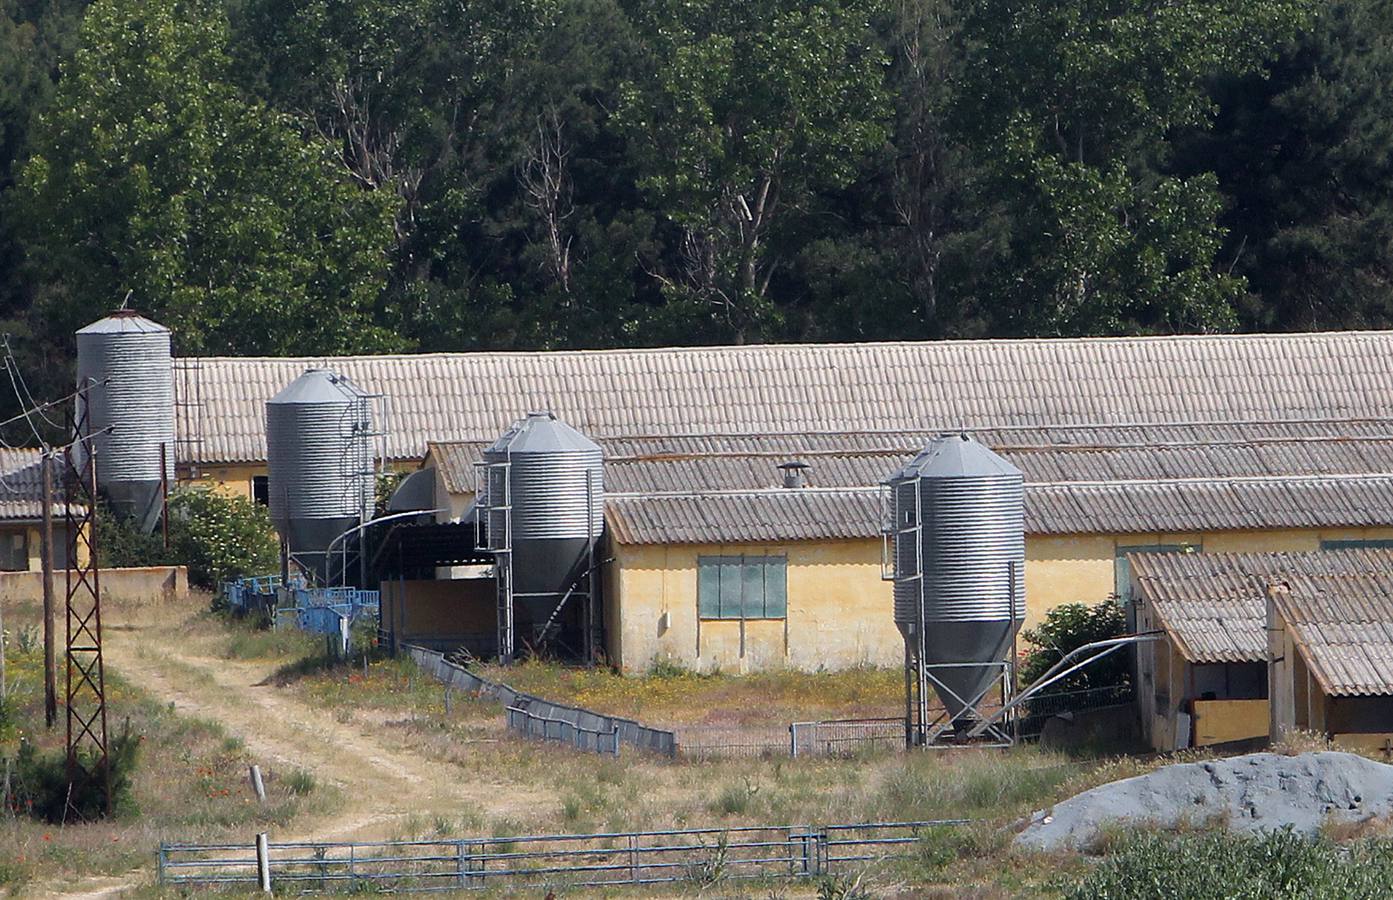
[(379, 783)]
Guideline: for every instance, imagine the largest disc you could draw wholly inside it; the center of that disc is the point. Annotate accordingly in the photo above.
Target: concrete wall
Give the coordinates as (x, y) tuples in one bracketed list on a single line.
[(839, 611), (438, 612), (148, 583)]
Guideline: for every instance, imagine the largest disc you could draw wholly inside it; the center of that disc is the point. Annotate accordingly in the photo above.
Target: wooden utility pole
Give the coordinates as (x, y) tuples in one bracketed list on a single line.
[(46, 551)]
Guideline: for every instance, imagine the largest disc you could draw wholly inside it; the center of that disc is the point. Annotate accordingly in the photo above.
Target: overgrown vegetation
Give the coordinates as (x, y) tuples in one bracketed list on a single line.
[(219, 536), (43, 786), (672, 694), (1216, 865), (1068, 627)]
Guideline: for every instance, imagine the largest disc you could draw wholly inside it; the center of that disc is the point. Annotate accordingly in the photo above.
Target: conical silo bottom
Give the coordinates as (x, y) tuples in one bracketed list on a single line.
[(137, 502), (960, 643)]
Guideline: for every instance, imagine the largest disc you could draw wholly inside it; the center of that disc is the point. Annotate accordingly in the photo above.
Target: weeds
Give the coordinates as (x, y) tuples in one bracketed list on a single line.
[(299, 782)]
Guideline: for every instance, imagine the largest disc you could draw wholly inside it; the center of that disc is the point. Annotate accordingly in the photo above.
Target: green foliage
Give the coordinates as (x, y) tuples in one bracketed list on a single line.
[(300, 782), (1304, 154), (1068, 627), (1074, 103), (121, 545), (152, 175), (220, 537), (749, 107), (324, 176), (1219, 866), (44, 790)]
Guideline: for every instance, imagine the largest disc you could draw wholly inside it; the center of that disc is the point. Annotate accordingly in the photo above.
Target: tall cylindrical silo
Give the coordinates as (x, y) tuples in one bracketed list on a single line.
[(320, 480), (124, 360), (959, 550), (544, 500)]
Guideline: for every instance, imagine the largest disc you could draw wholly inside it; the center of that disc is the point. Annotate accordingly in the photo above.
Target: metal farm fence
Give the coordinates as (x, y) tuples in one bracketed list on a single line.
[(701, 855), (1046, 705), (845, 737), (561, 731)]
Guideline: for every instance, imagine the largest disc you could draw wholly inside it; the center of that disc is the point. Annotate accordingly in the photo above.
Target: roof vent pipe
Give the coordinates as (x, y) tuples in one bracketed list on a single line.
[(795, 473)]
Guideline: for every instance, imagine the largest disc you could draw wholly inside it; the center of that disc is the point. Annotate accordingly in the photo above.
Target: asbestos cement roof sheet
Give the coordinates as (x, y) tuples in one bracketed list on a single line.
[(1061, 509), (1340, 616), (1214, 606), (21, 485), (762, 389)]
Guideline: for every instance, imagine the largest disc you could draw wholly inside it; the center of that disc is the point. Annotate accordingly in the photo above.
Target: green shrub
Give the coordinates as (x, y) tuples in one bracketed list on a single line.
[(221, 537), (42, 787), (1068, 627), (1221, 866), (218, 536)]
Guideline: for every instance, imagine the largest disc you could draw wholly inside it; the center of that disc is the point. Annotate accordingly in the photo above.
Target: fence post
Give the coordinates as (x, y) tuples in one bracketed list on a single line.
[(159, 864), (352, 867), (257, 784), (633, 859), (793, 740), (461, 864), (263, 862)]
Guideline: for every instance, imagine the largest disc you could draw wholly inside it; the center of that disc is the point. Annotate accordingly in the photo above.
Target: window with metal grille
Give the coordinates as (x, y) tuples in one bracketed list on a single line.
[(742, 587)]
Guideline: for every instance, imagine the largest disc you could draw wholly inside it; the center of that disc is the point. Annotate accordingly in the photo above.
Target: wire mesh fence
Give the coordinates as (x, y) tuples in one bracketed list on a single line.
[(1041, 708), (702, 856)]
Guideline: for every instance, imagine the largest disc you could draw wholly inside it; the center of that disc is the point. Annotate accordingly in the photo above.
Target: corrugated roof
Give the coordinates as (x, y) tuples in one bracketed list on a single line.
[(805, 514), (1214, 606), (21, 485), (825, 388), (782, 514), (1340, 616), (1318, 479), (733, 462)]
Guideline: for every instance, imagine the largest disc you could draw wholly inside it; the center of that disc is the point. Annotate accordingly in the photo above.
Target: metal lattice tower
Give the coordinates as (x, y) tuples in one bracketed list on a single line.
[(86, 679)]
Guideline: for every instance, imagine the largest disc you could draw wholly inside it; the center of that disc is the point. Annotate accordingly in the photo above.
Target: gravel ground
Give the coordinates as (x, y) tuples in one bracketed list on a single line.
[(1257, 792)]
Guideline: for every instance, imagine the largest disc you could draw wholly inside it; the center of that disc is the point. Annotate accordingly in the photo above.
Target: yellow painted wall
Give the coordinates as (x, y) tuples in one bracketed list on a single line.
[(839, 611), (1366, 743), (231, 479), (1221, 721)]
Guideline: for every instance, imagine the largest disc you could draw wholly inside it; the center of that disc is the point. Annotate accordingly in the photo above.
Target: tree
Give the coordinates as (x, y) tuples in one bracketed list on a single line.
[(1073, 101), (749, 108), (154, 178), (1305, 160)]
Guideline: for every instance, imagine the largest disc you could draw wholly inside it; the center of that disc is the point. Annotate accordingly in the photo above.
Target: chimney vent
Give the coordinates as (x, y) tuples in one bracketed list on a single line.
[(795, 473)]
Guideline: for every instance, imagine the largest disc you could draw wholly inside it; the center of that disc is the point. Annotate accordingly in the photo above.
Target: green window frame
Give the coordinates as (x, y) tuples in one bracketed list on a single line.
[(742, 587)]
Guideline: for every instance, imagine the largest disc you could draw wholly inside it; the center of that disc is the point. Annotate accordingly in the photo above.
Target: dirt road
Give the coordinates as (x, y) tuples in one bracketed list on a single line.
[(381, 783)]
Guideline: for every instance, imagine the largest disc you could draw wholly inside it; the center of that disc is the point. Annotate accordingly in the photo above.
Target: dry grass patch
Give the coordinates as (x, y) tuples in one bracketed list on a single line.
[(671, 695)]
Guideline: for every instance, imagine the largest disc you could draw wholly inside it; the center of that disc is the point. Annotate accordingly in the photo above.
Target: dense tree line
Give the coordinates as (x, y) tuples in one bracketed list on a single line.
[(324, 176)]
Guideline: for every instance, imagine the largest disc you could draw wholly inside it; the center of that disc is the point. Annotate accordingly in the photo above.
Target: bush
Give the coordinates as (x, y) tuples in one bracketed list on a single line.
[(42, 788), (1221, 866), (1068, 627), (218, 536), (221, 537)]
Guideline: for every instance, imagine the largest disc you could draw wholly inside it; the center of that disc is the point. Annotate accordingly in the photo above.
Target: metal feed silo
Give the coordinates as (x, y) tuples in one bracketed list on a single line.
[(320, 480), (541, 503), (956, 520), (124, 359)]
